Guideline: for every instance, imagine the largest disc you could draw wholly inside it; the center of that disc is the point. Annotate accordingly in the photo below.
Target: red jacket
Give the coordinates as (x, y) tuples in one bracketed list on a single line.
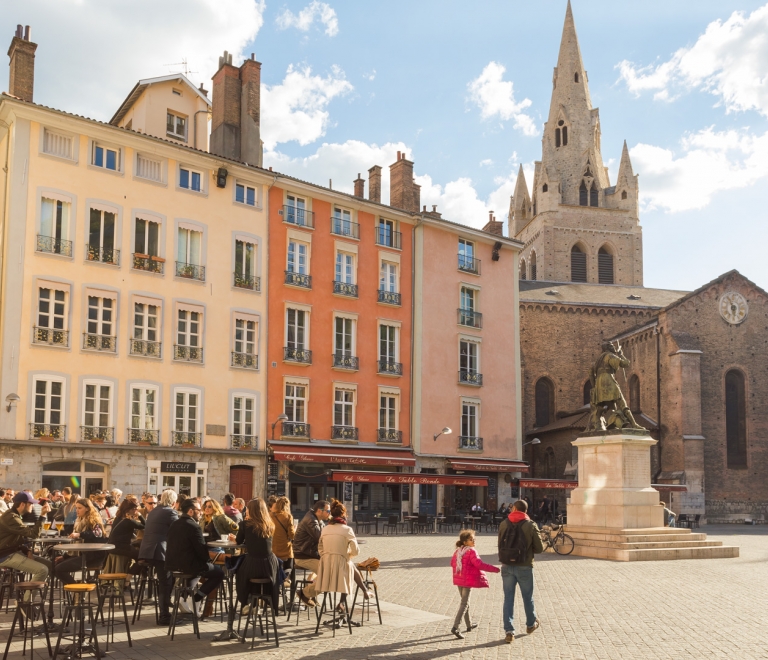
[(472, 573)]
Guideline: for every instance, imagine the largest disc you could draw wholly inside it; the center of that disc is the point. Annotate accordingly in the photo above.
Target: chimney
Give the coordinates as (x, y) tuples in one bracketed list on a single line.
[(359, 187), (374, 184), (494, 226), (22, 75), (403, 192)]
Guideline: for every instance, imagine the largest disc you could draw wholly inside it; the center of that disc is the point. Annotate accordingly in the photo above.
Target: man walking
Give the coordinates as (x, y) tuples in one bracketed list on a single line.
[(519, 540), (305, 542), (153, 549)]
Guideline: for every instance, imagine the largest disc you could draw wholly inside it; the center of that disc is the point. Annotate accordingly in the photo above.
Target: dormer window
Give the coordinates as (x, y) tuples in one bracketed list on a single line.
[(561, 134), (176, 126)]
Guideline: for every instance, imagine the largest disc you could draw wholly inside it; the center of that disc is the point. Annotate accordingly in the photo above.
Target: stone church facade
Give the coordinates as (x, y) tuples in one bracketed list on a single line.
[(698, 373)]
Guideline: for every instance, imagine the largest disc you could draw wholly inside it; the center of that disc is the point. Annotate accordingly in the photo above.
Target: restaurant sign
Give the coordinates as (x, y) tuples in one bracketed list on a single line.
[(547, 483), (416, 479), (169, 466), (300, 457)]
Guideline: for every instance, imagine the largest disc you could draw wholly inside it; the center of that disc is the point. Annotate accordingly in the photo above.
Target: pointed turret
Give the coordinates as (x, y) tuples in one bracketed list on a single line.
[(519, 205), (570, 73), (626, 188), (625, 166)]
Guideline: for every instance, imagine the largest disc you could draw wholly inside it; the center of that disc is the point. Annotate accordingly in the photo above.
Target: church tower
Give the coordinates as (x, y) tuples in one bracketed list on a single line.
[(575, 225)]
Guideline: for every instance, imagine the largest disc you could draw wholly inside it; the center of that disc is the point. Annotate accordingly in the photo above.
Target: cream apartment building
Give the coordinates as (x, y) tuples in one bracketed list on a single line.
[(133, 318)]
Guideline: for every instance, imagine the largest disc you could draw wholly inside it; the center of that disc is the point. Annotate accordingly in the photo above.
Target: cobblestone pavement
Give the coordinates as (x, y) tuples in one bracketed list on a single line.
[(588, 609)]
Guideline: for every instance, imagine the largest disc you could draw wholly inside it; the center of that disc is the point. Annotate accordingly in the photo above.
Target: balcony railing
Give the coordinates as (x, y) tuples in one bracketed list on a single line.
[(250, 442), (51, 336), (298, 279), (470, 442), (99, 434), (143, 437), (104, 343), (390, 435), (344, 433), (146, 348), (188, 353), (295, 430), (47, 431), (341, 361), (297, 355), (390, 368), (300, 217), (469, 264), (345, 228), (190, 271), (245, 360), (388, 237), (186, 439), (250, 282), (148, 263), (389, 297), (104, 255), (469, 318), (467, 377), (344, 289), (53, 245)]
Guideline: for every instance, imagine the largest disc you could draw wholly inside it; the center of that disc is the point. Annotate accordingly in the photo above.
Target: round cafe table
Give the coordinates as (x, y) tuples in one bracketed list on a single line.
[(83, 549), (229, 547), (48, 543)]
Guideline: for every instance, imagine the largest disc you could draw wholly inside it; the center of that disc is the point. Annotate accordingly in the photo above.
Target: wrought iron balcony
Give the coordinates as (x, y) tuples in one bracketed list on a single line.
[(388, 237), (143, 437), (100, 434), (147, 348), (344, 433), (345, 228), (148, 263), (245, 360), (48, 432), (389, 297), (470, 442), (295, 430), (390, 368), (298, 279), (344, 289), (53, 245), (250, 442), (188, 353), (390, 436), (469, 264), (470, 318), (297, 355), (51, 336), (104, 343), (190, 271), (341, 361), (300, 217), (186, 438), (467, 377), (250, 282), (104, 255)]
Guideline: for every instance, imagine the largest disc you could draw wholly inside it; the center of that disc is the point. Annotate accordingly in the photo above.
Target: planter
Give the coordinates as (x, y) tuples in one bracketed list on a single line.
[(138, 255), (143, 444), (97, 441), (158, 259), (47, 438)]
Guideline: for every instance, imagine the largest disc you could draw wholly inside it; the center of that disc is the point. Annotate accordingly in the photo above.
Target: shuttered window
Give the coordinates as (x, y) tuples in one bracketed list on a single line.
[(578, 265), (148, 168), (604, 267), (56, 144)]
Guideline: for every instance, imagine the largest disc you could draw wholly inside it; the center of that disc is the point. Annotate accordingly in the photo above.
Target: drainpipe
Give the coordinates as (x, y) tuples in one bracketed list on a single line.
[(265, 250), (194, 142)]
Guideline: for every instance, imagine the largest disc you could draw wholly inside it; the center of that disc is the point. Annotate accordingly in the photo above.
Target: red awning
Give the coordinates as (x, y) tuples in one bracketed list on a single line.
[(670, 487), (488, 466), (348, 455), (400, 478), (547, 483)]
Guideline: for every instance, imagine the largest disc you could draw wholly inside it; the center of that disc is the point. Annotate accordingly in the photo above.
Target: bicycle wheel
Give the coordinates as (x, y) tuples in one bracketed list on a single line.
[(563, 544)]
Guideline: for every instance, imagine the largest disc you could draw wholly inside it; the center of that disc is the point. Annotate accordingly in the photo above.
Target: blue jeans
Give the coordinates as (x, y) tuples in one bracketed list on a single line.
[(511, 576)]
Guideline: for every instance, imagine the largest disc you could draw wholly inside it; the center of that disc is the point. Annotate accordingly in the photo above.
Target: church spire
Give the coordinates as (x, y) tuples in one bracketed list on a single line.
[(520, 212), (570, 78), (625, 166)]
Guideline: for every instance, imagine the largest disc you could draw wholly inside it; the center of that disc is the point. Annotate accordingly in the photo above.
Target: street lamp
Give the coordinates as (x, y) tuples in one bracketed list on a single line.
[(12, 399), (282, 417), (445, 431)]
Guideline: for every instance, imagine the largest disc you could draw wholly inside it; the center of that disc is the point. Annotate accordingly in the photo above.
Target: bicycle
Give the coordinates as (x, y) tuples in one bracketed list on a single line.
[(561, 542)]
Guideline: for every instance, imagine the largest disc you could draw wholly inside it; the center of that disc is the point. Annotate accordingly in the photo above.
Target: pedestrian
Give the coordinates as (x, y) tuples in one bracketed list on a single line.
[(468, 573), (519, 540), (669, 516)]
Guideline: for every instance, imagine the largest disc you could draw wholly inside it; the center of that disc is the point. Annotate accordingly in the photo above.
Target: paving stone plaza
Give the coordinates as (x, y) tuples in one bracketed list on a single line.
[(588, 609)]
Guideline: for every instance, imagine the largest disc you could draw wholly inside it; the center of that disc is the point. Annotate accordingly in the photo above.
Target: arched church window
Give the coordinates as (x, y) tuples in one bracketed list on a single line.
[(533, 266), (623, 194), (545, 401), (583, 194), (522, 269), (735, 419), (634, 393), (575, 77), (544, 188), (587, 392), (557, 137), (565, 136), (578, 264), (604, 266), (593, 195)]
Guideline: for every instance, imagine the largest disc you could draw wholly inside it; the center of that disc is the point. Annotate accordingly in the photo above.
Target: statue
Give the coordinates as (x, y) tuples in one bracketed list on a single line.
[(608, 408)]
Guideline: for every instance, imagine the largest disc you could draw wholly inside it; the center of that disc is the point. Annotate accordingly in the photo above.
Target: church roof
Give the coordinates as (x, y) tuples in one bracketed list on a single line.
[(602, 295)]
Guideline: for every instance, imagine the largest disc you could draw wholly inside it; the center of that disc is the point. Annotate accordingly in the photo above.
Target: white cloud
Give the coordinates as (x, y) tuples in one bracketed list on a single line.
[(371, 76), (486, 162), (496, 97), (321, 11), (296, 109), (729, 61), (93, 71)]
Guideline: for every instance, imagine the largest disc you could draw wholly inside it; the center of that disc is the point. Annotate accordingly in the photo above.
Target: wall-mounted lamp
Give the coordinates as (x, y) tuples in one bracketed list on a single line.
[(445, 431), (12, 399), (535, 441)]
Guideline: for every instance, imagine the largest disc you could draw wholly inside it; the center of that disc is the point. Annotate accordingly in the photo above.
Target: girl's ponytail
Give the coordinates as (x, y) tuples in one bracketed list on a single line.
[(466, 535)]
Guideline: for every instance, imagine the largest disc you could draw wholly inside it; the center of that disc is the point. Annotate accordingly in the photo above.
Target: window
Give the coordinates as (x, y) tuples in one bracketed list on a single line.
[(245, 265), (593, 196), (51, 317), (297, 257), (343, 225), (544, 188), (583, 194), (468, 356), (54, 227), (190, 180), (587, 393), (146, 330), (295, 402), (623, 194), (188, 336), (343, 336), (469, 426), (343, 407), (604, 266), (97, 413), (149, 168), (578, 264), (388, 277), (388, 418), (533, 266), (467, 259), (100, 324), (468, 314), (243, 422), (187, 418), (144, 426), (388, 363), (245, 194), (245, 344), (735, 419), (297, 319), (189, 258), (101, 237), (545, 401), (522, 269), (48, 407), (561, 135), (634, 393), (56, 144), (296, 211), (106, 157), (387, 235), (345, 267), (176, 126), (147, 237)]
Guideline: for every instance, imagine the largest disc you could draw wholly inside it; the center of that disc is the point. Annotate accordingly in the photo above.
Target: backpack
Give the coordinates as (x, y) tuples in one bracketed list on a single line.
[(513, 546)]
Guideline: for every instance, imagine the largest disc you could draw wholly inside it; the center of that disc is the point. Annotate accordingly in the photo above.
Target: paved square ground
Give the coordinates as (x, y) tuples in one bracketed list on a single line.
[(588, 609)]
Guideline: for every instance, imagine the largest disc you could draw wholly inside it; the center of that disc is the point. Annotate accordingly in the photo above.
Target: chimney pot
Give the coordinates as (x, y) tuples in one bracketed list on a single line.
[(374, 184), (27, 33), (253, 56), (434, 208), (21, 82), (359, 184), (424, 210)]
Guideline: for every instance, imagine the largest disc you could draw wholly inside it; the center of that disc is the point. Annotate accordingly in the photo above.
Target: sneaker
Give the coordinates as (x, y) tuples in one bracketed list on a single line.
[(199, 606), (509, 638), (457, 633), (532, 628)]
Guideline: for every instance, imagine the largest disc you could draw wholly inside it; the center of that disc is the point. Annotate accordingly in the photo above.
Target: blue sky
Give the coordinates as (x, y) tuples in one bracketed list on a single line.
[(464, 89)]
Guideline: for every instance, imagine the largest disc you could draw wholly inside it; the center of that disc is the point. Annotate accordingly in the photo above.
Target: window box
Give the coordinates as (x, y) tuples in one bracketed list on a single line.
[(187, 439), (47, 432), (295, 430), (470, 443), (244, 442), (109, 256), (250, 282), (390, 436), (51, 337), (245, 360), (104, 343), (147, 348), (296, 354), (144, 437), (390, 368), (148, 263), (97, 434), (187, 353)]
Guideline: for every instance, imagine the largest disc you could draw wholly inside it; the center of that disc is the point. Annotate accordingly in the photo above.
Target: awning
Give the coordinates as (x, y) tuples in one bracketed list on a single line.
[(348, 455), (547, 483), (400, 478), (488, 466), (671, 487)]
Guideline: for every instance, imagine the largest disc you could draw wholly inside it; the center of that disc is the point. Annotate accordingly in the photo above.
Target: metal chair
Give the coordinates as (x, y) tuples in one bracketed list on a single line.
[(297, 584), (363, 523), (683, 521), (182, 589), (696, 520), (393, 522), (26, 614), (260, 605), (337, 621), (423, 524), (111, 585), (75, 611), (366, 602), (149, 585)]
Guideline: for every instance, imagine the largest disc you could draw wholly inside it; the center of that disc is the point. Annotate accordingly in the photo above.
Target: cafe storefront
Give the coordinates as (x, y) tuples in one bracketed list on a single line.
[(184, 477), (459, 499)]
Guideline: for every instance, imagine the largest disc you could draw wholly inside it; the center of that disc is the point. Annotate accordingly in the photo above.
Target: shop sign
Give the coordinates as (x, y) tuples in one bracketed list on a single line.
[(416, 479), (186, 468), (300, 457), (6, 461), (546, 483)]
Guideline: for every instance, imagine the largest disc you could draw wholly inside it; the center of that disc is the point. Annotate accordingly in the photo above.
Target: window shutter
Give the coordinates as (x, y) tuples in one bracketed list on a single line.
[(578, 266), (147, 168), (604, 268), (57, 145)]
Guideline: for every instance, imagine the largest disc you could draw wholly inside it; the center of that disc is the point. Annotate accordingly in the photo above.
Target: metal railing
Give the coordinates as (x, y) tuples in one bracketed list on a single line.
[(345, 228), (95, 342), (300, 217), (295, 429), (188, 353), (244, 442), (341, 361), (467, 377), (344, 289), (105, 434), (388, 237), (390, 367), (250, 282), (390, 435), (104, 255), (190, 271), (50, 336), (389, 297), (53, 431), (302, 355), (470, 318), (298, 279), (53, 245), (245, 360), (186, 438), (148, 263), (143, 437), (344, 433), (470, 442), (469, 264), (146, 348)]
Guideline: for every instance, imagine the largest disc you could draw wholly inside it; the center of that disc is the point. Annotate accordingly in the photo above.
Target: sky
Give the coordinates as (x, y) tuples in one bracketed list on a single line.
[(464, 91)]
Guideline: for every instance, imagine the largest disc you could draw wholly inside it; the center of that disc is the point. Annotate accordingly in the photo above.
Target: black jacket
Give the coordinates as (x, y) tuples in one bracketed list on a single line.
[(186, 550), (307, 537), (123, 533), (156, 532)]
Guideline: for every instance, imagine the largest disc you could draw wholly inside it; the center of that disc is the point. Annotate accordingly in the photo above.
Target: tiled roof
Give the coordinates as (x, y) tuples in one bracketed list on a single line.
[(578, 293)]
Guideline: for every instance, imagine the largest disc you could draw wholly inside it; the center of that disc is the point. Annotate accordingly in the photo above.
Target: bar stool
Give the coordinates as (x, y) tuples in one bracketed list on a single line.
[(7, 581), (29, 609), (298, 584), (75, 610), (111, 586), (260, 605), (149, 585), (337, 621), (181, 589), (366, 602)]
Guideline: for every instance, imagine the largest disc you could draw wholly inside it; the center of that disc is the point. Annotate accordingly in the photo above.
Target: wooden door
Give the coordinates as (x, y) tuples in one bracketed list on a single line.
[(241, 481)]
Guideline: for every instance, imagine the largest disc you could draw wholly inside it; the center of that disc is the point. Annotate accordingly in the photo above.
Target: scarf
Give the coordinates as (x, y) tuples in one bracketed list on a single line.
[(517, 516), (338, 520), (459, 554)]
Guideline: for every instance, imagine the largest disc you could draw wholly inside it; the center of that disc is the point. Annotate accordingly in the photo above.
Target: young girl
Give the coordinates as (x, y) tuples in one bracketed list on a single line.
[(468, 573)]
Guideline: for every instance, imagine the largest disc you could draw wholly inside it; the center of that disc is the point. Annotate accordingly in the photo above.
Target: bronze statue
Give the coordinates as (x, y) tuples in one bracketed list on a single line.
[(608, 407)]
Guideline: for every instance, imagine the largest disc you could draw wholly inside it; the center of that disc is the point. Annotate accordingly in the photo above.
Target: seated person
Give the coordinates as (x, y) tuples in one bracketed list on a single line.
[(215, 522), (256, 533), (90, 529), (126, 524)]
